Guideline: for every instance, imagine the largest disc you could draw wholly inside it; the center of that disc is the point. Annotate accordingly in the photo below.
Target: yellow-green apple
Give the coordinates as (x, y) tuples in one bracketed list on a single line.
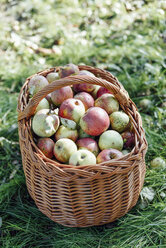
[(128, 139), (64, 132), (68, 123), (45, 123), (82, 157), (110, 139), (119, 121), (84, 86), (52, 76), (43, 104), (67, 70), (85, 72), (36, 83), (102, 90), (60, 95), (46, 145), (86, 98), (145, 104), (63, 149), (158, 162), (82, 134), (108, 154), (89, 144), (95, 121), (94, 92), (72, 109), (125, 151), (107, 102)]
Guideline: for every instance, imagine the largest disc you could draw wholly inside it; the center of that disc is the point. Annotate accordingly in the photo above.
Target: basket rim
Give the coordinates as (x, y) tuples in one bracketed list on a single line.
[(121, 165)]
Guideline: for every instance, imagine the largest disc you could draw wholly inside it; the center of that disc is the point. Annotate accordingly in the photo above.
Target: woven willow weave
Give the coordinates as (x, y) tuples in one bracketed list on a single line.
[(84, 195)]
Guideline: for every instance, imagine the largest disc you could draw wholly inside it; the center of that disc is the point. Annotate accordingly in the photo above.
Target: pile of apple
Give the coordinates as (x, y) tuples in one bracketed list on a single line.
[(80, 124)]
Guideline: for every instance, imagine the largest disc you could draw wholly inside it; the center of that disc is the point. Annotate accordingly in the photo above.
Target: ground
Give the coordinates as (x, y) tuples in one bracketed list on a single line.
[(127, 38)]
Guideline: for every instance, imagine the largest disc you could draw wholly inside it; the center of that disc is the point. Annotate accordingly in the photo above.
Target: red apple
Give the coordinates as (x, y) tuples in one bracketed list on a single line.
[(86, 98), (46, 145), (108, 154), (128, 139), (95, 121), (84, 87), (102, 90), (67, 70), (64, 132), (58, 96), (108, 102), (89, 144), (72, 109)]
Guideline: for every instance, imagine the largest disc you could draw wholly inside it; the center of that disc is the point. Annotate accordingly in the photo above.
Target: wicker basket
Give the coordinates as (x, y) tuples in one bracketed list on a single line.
[(84, 195)]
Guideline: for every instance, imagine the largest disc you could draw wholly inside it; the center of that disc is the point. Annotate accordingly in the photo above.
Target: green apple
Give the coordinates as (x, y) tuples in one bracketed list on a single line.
[(82, 157), (45, 123), (43, 104), (68, 123), (158, 162), (119, 121), (63, 149), (52, 76), (111, 139)]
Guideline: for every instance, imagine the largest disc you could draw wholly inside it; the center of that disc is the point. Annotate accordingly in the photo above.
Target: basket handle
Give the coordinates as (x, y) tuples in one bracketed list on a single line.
[(119, 93)]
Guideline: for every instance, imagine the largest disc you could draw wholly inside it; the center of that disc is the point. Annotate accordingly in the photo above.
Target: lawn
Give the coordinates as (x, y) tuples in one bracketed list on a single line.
[(127, 38)]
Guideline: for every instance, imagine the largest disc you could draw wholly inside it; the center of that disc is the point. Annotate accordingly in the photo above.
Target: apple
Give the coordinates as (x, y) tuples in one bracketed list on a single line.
[(45, 123), (108, 154), (89, 144), (46, 145), (94, 92), (63, 149), (108, 102), (102, 90), (36, 83), (82, 134), (68, 123), (111, 139), (119, 121), (43, 104), (52, 76), (84, 87), (64, 132), (72, 109), (158, 162), (95, 121), (67, 70), (128, 139), (86, 98), (60, 95), (82, 157), (145, 104), (48, 98), (125, 152)]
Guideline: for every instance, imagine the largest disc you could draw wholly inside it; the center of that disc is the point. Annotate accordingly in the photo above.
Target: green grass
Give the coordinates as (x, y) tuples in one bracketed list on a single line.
[(128, 38)]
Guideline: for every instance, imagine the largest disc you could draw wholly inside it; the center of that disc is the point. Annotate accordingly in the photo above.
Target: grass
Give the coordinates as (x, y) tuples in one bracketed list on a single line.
[(125, 37)]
